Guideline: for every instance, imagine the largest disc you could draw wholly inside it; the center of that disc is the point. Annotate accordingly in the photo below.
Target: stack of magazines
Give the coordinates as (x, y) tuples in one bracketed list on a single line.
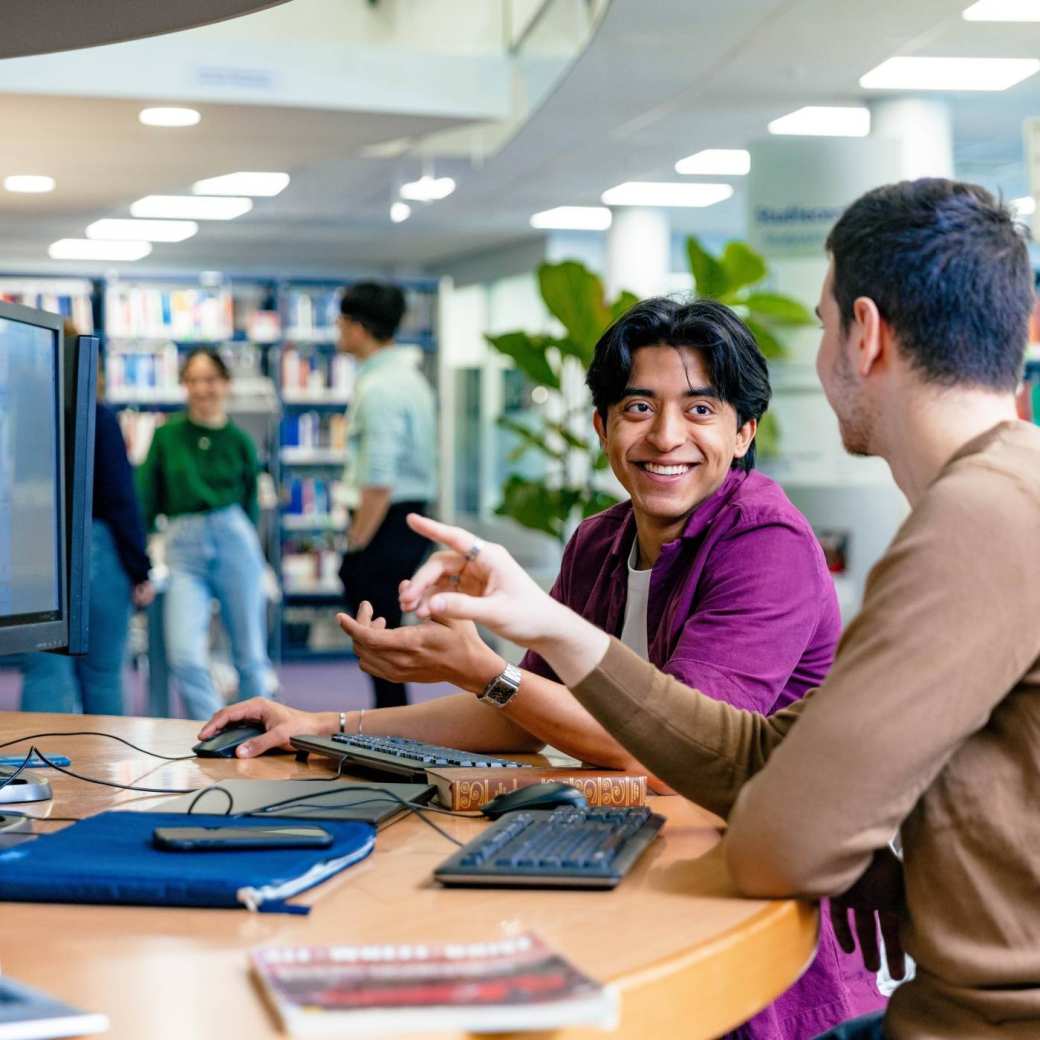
[(508, 985)]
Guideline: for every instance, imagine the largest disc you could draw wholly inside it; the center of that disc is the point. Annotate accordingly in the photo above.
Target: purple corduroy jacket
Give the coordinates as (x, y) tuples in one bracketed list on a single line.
[(741, 607)]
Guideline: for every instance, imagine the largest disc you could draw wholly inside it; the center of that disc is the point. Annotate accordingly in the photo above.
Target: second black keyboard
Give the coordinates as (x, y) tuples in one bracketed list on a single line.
[(566, 847)]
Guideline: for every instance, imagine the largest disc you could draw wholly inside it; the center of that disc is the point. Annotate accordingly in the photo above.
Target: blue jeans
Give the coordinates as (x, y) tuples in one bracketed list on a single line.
[(215, 555), (869, 1027), (92, 683)]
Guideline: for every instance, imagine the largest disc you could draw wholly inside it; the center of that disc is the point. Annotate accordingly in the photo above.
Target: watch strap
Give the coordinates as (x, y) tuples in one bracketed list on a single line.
[(501, 690)]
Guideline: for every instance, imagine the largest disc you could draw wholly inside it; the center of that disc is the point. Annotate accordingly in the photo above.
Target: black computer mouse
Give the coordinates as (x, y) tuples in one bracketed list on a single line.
[(550, 795), (223, 744)]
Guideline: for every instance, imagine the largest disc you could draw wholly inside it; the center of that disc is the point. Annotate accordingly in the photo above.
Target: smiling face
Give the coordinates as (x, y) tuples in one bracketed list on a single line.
[(207, 389), (670, 439)]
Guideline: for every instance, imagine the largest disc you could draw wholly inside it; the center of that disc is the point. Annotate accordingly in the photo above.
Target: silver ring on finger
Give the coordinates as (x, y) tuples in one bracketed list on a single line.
[(474, 550)]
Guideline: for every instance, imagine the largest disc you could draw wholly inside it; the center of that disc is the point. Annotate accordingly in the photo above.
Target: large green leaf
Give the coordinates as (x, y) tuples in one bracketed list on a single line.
[(767, 438), (528, 439), (531, 504), (766, 340), (711, 280), (743, 266), (595, 502), (778, 309), (568, 437), (574, 296), (528, 353)]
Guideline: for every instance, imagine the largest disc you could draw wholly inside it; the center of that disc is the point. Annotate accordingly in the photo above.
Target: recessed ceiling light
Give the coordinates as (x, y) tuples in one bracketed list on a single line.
[(666, 193), (93, 249), (29, 183), (400, 212), (427, 189), (1023, 207), (191, 207), (718, 162), (949, 73), (824, 121), (1003, 11), (142, 230), (169, 116), (261, 185), (573, 218)]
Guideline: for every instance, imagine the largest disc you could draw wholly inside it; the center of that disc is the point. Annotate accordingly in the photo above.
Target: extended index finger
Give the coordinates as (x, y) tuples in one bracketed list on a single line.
[(456, 538)]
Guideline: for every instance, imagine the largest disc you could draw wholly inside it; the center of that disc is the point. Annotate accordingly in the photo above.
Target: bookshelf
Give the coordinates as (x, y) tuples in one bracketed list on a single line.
[(71, 297)]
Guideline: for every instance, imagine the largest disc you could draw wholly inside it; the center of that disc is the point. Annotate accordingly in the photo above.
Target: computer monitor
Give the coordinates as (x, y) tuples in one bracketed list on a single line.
[(80, 378), (35, 604)]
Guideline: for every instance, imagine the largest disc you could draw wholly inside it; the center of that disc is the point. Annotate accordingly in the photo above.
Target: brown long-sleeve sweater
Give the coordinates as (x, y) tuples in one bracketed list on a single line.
[(928, 723)]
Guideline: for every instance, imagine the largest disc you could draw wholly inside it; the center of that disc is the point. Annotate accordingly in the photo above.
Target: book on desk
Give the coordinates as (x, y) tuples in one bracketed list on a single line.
[(463, 790), (509, 984)]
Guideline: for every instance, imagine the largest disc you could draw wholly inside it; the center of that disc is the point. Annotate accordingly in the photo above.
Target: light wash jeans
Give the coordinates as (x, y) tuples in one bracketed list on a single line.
[(92, 683), (214, 555)]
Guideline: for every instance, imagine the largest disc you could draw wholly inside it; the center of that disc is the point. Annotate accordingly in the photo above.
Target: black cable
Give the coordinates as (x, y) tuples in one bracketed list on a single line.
[(13, 776), (110, 783), (206, 790), (413, 807), (98, 733)]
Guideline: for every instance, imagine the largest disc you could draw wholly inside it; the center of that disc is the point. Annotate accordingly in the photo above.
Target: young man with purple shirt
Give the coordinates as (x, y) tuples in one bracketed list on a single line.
[(707, 571)]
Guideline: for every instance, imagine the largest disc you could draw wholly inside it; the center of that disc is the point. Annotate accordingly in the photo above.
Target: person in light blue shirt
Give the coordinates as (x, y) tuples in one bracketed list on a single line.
[(391, 470)]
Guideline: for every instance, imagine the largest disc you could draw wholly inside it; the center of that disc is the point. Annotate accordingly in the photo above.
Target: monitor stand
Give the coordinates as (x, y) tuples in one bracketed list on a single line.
[(25, 787), (14, 829)]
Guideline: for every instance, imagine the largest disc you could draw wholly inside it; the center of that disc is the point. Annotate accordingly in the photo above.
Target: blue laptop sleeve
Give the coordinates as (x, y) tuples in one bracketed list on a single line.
[(110, 858)]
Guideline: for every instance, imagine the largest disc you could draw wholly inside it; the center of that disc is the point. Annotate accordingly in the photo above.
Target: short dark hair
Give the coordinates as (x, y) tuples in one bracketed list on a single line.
[(379, 306), (949, 271), (736, 366), (207, 352)]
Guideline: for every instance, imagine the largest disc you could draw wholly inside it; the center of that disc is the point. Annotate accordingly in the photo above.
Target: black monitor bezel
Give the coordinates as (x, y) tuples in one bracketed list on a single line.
[(45, 630)]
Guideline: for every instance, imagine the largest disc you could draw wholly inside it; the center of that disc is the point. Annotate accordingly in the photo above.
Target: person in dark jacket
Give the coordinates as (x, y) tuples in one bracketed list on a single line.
[(119, 568)]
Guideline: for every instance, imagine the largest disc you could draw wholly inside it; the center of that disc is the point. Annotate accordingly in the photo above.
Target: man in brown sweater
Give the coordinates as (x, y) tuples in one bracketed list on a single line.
[(929, 722)]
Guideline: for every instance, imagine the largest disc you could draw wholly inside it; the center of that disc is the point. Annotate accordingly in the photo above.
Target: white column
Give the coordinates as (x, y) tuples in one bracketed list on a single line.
[(638, 251), (924, 129)]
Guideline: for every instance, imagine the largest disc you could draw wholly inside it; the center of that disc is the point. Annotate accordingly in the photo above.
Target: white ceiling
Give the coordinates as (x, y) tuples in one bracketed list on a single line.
[(661, 79)]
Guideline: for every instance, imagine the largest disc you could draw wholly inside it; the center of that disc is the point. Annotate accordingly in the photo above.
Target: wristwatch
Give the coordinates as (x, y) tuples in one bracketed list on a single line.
[(502, 689)]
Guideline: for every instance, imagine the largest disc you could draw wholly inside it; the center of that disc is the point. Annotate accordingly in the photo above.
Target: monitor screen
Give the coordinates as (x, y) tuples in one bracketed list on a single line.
[(31, 476)]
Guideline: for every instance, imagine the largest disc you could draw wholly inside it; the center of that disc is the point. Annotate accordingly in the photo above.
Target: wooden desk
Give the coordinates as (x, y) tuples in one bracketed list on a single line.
[(689, 957)]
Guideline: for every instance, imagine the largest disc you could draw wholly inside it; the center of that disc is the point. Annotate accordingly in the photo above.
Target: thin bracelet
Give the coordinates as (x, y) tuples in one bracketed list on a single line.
[(361, 721), (343, 722)]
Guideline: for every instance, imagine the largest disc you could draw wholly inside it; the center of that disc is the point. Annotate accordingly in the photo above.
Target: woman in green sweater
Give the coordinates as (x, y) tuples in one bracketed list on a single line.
[(201, 473)]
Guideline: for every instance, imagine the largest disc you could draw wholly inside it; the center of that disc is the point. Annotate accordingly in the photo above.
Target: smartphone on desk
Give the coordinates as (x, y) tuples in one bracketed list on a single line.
[(199, 839)]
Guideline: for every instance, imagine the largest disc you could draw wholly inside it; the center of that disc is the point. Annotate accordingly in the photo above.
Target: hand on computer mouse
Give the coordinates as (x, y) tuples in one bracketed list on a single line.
[(279, 721)]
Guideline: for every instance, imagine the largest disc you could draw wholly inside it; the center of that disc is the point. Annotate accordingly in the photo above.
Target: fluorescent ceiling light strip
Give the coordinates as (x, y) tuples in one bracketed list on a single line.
[(1003, 11), (717, 162), (951, 74), (191, 207), (428, 189), (1023, 207), (256, 184), (142, 230), (169, 116), (400, 212), (93, 249), (573, 218), (824, 121), (666, 194), (29, 183)]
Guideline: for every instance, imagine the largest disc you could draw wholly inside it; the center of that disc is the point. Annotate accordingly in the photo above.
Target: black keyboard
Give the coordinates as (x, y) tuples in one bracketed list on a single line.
[(572, 848), (398, 757)]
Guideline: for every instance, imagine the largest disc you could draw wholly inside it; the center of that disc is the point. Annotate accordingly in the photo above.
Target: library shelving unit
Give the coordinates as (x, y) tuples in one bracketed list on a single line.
[(315, 386), (72, 297)]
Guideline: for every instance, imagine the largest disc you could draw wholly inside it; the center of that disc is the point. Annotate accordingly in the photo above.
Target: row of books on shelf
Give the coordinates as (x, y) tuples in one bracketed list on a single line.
[(311, 569), (77, 307), (316, 375), (313, 499), (312, 430), (153, 373), (195, 313), (138, 430)]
